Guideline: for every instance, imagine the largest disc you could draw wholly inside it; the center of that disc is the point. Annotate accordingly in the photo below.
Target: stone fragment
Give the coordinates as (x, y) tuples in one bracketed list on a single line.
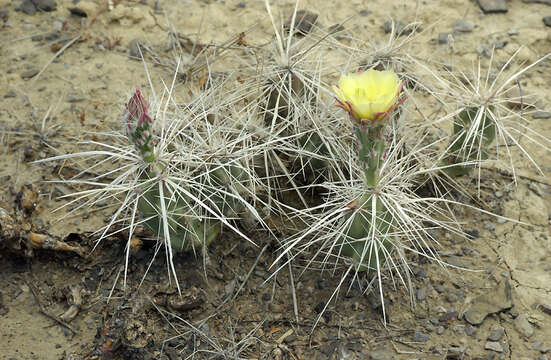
[(304, 22), (541, 115), (493, 6), (547, 21), (494, 346), (399, 27), (545, 2), (463, 26), (29, 73), (134, 48), (493, 301), (420, 337), (523, 326), (496, 334)]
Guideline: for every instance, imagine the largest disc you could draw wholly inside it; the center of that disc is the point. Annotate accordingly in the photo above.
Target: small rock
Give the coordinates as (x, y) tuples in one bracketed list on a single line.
[(500, 44), (440, 330), (29, 73), (541, 115), (537, 345), (420, 337), (496, 334), (547, 21), (523, 326), (493, 301), (450, 315), (365, 12), (462, 26), (78, 12), (54, 35), (398, 26), (72, 98), (439, 288), (546, 2), (470, 330), (451, 298), (483, 50), (546, 308), (494, 346), (456, 353), (443, 38), (10, 94), (45, 5), (304, 22), (381, 355), (134, 47), (493, 6), (421, 293), (241, 5), (27, 7), (512, 32)]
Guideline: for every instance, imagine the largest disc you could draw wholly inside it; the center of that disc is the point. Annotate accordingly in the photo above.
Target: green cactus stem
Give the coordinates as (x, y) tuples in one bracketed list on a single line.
[(186, 231), (361, 242), (465, 147)]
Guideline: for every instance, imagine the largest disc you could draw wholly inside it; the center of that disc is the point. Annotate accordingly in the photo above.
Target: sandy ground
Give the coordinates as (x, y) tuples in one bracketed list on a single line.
[(83, 90)]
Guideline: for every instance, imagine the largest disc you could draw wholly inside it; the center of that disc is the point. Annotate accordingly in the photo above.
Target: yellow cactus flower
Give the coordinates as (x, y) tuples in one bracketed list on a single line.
[(368, 96)]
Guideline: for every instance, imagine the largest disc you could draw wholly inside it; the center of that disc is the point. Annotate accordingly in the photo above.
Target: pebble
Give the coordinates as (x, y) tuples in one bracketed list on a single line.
[(418, 336), (494, 346), (541, 115), (546, 308), (501, 220), (440, 330), (512, 32), (27, 7), (496, 334), (462, 26), (421, 293), (304, 22), (537, 345), (399, 27), (134, 48), (500, 44), (443, 38), (439, 288), (523, 326), (45, 5), (546, 2), (493, 301), (72, 98), (29, 73), (470, 330), (451, 298), (547, 21), (483, 50), (381, 355), (365, 12), (493, 6), (10, 94)]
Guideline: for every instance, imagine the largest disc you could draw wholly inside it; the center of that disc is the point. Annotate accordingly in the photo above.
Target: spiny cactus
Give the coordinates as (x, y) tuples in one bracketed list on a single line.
[(473, 133)]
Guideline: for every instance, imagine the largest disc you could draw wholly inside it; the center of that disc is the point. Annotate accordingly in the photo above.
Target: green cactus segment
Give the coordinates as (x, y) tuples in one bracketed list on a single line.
[(186, 231), (231, 180), (372, 151), (312, 143), (473, 133), (368, 247)]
